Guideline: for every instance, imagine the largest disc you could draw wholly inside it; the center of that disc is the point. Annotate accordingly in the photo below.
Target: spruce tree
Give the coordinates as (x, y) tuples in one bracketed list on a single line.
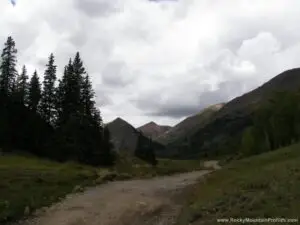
[(68, 94), (61, 97), (79, 124), (34, 94), (22, 87), (8, 70), (59, 103), (76, 82), (87, 97), (48, 100)]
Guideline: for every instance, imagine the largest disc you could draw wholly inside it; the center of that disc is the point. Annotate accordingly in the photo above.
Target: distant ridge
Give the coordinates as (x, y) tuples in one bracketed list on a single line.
[(152, 130), (189, 125)]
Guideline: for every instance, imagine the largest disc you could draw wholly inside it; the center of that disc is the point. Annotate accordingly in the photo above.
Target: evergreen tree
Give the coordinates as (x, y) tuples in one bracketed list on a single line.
[(68, 93), (145, 149), (76, 82), (8, 70), (249, 144), (108, 156), (34, 94), (87, 97), (59, 103), (79, 122), (48, 100), (78, 133), (152, 156), (22, 87), (61, 98), (70, 89), (275, 124)]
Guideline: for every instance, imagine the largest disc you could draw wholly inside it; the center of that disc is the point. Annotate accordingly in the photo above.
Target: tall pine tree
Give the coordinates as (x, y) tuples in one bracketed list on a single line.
[(87, 97), (34, 95), (48, 101), (67, 95), (22, 87), (77, 80), (8, 70), (79, 120)]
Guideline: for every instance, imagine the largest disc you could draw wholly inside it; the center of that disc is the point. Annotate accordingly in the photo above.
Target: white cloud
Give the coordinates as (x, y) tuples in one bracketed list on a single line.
[(159, 61)]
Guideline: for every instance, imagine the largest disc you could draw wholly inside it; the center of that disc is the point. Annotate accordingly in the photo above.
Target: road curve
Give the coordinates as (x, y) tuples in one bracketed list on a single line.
[(135, 202)]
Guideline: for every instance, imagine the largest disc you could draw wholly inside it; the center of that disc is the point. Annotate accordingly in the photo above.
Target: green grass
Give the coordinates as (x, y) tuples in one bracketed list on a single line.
[(27, 182), (139, 169), (32, 183), (263, 186)]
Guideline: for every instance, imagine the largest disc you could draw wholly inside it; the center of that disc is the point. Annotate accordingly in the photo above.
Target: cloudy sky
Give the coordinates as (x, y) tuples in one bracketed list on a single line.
[(159, 60)]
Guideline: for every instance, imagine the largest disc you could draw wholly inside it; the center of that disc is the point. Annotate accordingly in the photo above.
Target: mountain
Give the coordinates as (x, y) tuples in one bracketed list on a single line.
[(226, 126), (123, 135), (128, 140), (189, 125), (152, 130)]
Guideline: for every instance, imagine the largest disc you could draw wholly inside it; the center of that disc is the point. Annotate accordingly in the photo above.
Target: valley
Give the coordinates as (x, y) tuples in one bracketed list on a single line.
[(149, 112)]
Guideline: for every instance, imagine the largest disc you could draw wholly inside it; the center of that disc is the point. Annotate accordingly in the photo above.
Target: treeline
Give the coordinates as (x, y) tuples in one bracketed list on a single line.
[(54, 118), (275, 124)]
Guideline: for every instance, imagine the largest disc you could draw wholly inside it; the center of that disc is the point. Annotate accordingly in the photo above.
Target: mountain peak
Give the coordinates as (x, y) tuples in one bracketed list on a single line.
[(153, 130), (118, 120), (151, 123), (125, 137)]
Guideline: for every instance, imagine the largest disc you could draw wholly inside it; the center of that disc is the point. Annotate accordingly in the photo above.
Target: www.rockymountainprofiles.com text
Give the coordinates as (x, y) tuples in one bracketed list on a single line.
[(258, 220)]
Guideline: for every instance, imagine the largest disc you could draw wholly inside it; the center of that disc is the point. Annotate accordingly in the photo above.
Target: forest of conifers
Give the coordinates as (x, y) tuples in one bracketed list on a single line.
[(57, 119)]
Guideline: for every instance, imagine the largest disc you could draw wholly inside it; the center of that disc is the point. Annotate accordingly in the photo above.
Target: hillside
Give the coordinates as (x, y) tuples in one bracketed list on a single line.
[(286, 81), (227, 124), (189, 125), (153, 130), (263, 186)]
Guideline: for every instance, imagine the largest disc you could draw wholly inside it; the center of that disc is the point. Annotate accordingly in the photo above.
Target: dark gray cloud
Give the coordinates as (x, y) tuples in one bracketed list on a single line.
[(96, 8), (177, 111), (226, 91)]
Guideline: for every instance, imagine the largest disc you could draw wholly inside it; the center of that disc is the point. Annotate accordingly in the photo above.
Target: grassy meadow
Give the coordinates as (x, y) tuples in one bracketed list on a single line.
[(262, 186)]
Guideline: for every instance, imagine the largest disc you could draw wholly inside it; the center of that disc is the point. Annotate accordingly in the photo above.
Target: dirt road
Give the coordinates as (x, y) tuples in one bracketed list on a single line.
[(135, 202)]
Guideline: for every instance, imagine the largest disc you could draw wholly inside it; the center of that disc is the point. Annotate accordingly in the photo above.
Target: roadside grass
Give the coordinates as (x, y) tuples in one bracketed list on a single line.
[(262, 186), (28, 183), (139, 169)]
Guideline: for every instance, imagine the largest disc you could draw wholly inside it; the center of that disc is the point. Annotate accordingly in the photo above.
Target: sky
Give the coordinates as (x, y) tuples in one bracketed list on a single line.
[(159, 60)]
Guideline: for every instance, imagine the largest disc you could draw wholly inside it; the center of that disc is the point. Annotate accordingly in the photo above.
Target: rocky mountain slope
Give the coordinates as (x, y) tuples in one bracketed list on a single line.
[(153, 130), (189, 125), (229, 122)]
